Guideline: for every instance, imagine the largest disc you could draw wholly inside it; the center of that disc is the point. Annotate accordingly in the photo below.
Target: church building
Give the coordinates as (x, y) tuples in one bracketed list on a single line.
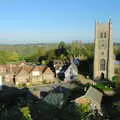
[(104, 59)]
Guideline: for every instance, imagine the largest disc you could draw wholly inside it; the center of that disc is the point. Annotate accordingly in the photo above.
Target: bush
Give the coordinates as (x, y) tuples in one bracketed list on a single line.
[(26, 113)]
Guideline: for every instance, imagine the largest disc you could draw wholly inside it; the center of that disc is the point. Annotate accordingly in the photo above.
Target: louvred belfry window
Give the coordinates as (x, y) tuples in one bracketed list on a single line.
[(102, 64)]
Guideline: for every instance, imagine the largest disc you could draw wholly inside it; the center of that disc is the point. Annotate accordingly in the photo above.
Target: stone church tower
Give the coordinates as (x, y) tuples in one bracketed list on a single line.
[(103, 51)]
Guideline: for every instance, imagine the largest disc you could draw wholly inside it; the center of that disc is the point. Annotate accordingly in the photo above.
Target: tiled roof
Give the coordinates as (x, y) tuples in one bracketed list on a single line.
[(28, 68), (47, 70), (25, 68), (94, 95), (2, 65), (39, 68), (82, 100)]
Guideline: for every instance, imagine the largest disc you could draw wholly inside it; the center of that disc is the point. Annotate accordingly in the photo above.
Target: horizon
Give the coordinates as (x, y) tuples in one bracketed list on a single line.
[(47, 43), (52, 21)]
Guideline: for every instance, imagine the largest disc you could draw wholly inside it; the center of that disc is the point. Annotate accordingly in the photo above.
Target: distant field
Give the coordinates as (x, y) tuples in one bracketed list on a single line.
[(25, 49)]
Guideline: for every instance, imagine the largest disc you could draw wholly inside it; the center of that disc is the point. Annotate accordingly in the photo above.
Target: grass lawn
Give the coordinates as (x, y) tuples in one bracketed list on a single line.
[(103, 87)]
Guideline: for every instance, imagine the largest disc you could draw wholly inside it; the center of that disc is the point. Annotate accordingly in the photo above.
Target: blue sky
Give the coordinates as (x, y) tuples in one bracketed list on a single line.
[(23, 21)]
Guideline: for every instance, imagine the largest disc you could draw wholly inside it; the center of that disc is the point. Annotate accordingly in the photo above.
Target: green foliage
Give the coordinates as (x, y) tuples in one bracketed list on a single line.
[(117, 49), (55, 99), (69, 112), (6, 57), (3, 57), (114, 78), (29, 108), (62, 44), (31, 53), (41, 51), (77, 49), (51, 54), (115, 111), (11, 113), (13, 57), (26, 113), (84, 107), (106, 87), (74, 49)]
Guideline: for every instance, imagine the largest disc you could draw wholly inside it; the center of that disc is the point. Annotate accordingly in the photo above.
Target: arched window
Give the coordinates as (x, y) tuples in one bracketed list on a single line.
[(102, 64), (101, 35), (105, 34)]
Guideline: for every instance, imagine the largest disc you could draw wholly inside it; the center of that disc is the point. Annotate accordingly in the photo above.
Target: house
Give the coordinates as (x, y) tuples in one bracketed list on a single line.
[(76, 61), (23, 75), (48, 75), (68, 72), (57, 68), (23, 63), (58, 64), (11, 68), (2, 68), (71, 73), (8, 78), (93, 97), (42, 73), (36, 74)]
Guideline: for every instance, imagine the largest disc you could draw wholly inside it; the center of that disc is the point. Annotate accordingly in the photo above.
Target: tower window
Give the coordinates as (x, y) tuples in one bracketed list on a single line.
[(105, 34), (101, 35), (102, 53), (102, 45), (102, 64)]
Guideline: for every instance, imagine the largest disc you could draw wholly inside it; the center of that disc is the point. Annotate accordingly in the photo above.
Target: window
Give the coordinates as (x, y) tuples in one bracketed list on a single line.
[(101, 35), (102, 45), (102, 53), (105, 34), (116, 70), (102, 64)]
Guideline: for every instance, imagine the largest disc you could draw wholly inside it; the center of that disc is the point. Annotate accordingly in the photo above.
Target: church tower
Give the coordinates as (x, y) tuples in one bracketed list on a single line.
[(103, 51)]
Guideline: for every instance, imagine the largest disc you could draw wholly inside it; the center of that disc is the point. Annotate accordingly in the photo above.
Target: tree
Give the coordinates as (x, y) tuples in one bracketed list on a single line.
[(62, 44), (50, 54), (13, 57), (74, 49), (3, 57), (61, 51)]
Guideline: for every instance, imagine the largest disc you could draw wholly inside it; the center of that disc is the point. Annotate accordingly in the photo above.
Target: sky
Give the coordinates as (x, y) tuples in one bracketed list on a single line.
[(48, 21)]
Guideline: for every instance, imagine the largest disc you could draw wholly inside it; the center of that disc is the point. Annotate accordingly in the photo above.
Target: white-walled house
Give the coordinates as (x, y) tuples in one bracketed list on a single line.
[(71, 73)]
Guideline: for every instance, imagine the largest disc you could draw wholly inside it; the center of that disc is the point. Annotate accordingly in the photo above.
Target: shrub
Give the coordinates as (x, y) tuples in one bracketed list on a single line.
[(26, 113)]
